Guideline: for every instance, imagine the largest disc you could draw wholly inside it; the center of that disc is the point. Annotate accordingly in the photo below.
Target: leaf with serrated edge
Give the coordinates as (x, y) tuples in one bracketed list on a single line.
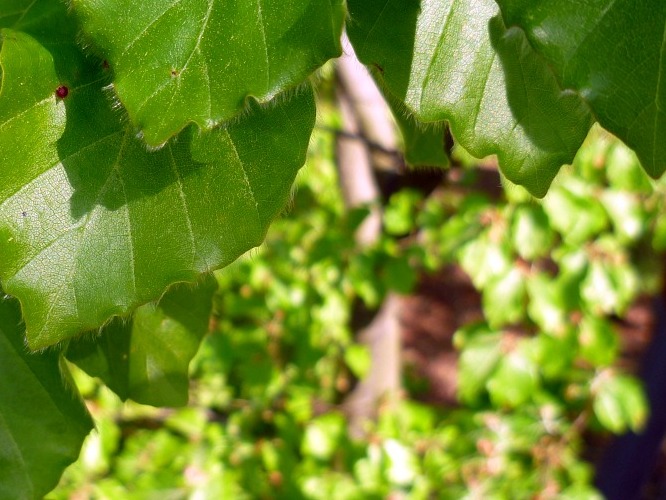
[(454, 60), (93, 225), (42, 421), (613, 53), (182, 61), (147, 358)]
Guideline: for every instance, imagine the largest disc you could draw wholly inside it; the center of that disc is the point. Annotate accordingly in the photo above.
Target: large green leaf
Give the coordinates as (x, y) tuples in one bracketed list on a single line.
[(42, 420), (147, 358), (613, 53), (454, 60), (91, 223), (202, 60)]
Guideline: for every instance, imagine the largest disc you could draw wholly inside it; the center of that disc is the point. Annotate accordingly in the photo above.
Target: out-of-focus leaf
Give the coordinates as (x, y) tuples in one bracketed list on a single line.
[(504, 298), (515, 380), (626, 213), (620, 403), (598, 341), (322, 436), (357, 358), (531, 232), (576, 214), (480, 353), (549, 303), (484, 259)]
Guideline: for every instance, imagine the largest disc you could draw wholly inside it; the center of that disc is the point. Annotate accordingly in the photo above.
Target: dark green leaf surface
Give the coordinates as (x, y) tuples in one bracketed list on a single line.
[(454, 60), (613, 53), (147, 358), (201, 61), (42, 421), (91, 223)]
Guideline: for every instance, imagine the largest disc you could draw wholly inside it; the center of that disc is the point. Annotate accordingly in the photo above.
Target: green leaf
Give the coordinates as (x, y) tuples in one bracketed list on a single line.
[(203, 61), (613, 54), (620, 403), (574, 211), (515, 380), (92, 225), (485, 259), (423, 144), (481, 352), (550, 301), (323, 435), (42, 420), (504, 298), (147, 358), (627, 213), (453, 60), (531, 232), (598, 341)]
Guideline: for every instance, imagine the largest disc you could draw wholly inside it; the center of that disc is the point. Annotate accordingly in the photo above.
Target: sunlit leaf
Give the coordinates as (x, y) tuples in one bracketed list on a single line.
[(202, 61), (454, 60)]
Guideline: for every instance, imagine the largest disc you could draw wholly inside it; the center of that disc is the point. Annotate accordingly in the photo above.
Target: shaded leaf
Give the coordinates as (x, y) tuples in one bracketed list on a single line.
[(202, 61), (454, 60), (42, 420), (613, 53), (147, 357), (423, 144)]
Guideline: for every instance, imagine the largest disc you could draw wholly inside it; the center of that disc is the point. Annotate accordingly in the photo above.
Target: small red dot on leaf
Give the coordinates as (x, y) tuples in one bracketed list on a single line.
[(62, 92)]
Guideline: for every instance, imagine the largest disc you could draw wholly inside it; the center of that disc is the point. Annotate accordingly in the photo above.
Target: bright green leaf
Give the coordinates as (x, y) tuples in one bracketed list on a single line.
[(480, 353), (504, 298), (575, 213), (515, 380), (322, 436), (454, 60), (147, 358), (598, 341), (93, 225), (203, 61), (42, 421), (613, 54), (484, 259), (531, 232), (627, 213), (620, 403)]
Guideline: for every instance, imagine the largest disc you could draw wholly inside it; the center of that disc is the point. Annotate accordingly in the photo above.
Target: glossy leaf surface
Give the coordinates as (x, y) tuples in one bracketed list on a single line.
[(202, 61), (454, 60), (42, 420), (147, 357), (93, 225), (613, 53)]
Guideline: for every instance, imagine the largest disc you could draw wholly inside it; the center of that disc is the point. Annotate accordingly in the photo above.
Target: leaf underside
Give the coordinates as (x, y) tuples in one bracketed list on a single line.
[(200, 61), (612, 53), (453, 60)]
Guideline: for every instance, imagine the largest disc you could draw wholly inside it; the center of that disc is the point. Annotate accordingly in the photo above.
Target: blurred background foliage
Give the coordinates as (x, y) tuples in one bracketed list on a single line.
[(537, 379)]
